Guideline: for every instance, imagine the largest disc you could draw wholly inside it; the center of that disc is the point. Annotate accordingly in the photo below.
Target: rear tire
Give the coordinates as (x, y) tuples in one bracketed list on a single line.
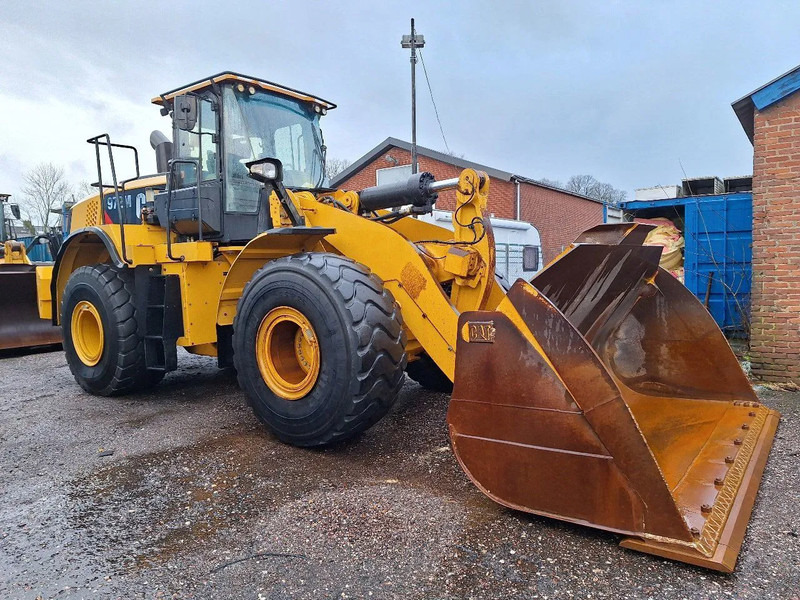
[(358, 363), (428, 374), (105, 293)]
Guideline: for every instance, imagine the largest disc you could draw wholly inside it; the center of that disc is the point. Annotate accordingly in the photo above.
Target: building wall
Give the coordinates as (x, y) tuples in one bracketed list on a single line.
[(775, 325), (558, 216)]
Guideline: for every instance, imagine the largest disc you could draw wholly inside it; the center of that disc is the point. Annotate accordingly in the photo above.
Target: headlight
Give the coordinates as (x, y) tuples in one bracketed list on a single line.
[(265, 170)]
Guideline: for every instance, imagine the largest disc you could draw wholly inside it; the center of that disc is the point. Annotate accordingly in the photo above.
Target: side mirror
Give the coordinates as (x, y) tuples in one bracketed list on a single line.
[(184, 112), (266, 170), (15, 211)]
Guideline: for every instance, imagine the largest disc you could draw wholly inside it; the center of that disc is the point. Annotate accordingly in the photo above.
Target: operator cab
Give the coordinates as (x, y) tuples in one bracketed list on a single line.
[(219, 125)]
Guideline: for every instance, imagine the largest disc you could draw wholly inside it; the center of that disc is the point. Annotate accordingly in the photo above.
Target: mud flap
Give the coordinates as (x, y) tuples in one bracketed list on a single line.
[(603, 393), (20, 325)]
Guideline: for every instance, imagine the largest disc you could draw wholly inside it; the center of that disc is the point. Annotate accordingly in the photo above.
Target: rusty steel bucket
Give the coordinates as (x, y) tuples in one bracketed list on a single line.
[(603, 393), (20, 325)]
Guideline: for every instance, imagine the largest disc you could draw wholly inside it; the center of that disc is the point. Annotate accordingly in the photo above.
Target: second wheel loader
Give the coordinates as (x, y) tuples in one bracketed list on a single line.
[(600, 393), (20, 325)]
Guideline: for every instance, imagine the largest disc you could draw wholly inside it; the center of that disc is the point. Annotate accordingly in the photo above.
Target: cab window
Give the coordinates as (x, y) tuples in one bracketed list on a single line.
[(290, 147), (199, 143)]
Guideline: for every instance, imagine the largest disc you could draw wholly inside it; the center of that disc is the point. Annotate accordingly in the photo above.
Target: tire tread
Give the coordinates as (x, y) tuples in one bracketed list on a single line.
[(131, 373), (376, 319)]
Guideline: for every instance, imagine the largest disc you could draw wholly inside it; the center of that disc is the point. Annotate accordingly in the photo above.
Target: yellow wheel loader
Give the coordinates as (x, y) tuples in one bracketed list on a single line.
[(20, 325), (600, 393)]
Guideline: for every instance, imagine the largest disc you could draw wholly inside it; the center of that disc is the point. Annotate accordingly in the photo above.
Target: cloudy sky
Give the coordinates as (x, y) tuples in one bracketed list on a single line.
[(626, 91)]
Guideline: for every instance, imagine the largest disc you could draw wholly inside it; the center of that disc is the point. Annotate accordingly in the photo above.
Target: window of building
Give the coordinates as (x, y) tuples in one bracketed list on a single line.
[(392, 174)]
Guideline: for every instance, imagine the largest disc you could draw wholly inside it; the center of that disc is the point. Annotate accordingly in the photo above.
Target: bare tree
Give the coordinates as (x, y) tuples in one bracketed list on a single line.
[(334, 166), (551, 182), (581, 184), (608, 193), (44, 189), (83, 189), (589, 186)]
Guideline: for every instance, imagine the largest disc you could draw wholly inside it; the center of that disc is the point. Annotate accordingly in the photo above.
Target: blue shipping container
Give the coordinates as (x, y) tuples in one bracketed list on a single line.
[(719, 237), (37, 252)]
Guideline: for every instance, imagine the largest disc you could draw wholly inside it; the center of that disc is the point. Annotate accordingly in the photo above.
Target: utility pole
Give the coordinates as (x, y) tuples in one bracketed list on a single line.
[(413, 41)]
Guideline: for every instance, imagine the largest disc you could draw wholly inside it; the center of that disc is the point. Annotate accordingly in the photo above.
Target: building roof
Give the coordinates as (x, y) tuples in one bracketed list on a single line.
[(767, 95), (230, 76), (391, 142)]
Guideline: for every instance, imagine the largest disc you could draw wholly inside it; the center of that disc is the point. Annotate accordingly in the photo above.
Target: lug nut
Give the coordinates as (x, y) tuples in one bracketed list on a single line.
[(751, 414), (745, 426), (719, 481), (737, 442), (729, 459), (705, 508), (695, 531)]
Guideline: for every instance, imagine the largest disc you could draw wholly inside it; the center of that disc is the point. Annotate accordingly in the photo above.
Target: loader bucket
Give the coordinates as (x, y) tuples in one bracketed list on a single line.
[(603, 393), (20, 325)]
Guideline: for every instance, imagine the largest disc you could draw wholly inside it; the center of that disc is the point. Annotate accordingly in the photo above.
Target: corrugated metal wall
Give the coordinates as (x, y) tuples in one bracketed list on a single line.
[(719, 239), (718, 231)]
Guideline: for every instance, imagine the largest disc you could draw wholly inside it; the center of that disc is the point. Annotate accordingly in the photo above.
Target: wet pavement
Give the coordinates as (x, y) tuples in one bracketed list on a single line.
[(179, 493)]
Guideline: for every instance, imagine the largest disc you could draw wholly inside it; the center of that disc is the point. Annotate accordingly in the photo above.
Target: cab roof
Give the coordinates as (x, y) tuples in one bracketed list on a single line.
[(231, 77)]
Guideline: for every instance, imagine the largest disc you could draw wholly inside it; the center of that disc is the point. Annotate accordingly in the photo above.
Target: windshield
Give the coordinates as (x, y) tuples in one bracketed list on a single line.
[(264, 125)]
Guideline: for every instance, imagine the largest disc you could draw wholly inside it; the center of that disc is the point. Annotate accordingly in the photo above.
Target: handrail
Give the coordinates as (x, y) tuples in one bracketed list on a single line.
[(171, 190), (96, 141)]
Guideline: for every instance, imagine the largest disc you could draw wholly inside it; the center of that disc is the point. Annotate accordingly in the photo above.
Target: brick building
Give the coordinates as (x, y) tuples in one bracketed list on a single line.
[(558, 215), (770, 117)]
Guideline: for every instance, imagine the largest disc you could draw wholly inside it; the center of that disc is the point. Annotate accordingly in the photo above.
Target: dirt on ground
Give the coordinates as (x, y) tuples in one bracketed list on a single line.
[(180, 493)]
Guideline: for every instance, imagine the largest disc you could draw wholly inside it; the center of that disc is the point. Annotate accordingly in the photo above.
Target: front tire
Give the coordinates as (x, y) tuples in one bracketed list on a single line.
[(100, 329), (319, 348)]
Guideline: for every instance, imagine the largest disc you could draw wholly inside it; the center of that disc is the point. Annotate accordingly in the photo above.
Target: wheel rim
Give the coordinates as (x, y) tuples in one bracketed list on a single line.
[(87, 333), (287, 352)]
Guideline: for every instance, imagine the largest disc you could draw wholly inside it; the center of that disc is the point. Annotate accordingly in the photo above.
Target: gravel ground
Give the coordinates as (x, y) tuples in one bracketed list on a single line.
[(179, 493)]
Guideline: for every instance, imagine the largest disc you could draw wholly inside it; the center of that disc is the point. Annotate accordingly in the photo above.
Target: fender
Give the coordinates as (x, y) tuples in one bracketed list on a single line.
[(87, 246), (272, 244)]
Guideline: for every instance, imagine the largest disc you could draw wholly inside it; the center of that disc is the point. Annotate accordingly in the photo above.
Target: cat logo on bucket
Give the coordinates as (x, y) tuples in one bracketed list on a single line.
[(480, 332)]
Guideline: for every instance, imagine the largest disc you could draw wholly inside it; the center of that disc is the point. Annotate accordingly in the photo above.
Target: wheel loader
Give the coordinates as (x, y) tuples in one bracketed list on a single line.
[(600, 393), (20, 325)]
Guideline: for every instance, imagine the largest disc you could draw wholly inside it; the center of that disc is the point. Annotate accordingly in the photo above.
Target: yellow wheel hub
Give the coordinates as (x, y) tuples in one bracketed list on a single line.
[(87, 333), (287, 351)]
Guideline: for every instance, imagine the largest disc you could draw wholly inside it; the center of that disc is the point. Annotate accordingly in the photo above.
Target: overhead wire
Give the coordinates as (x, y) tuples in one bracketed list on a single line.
[(435, 109)]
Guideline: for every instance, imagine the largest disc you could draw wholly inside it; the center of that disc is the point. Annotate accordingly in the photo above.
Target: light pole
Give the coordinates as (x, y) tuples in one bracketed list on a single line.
[(413, 41)]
